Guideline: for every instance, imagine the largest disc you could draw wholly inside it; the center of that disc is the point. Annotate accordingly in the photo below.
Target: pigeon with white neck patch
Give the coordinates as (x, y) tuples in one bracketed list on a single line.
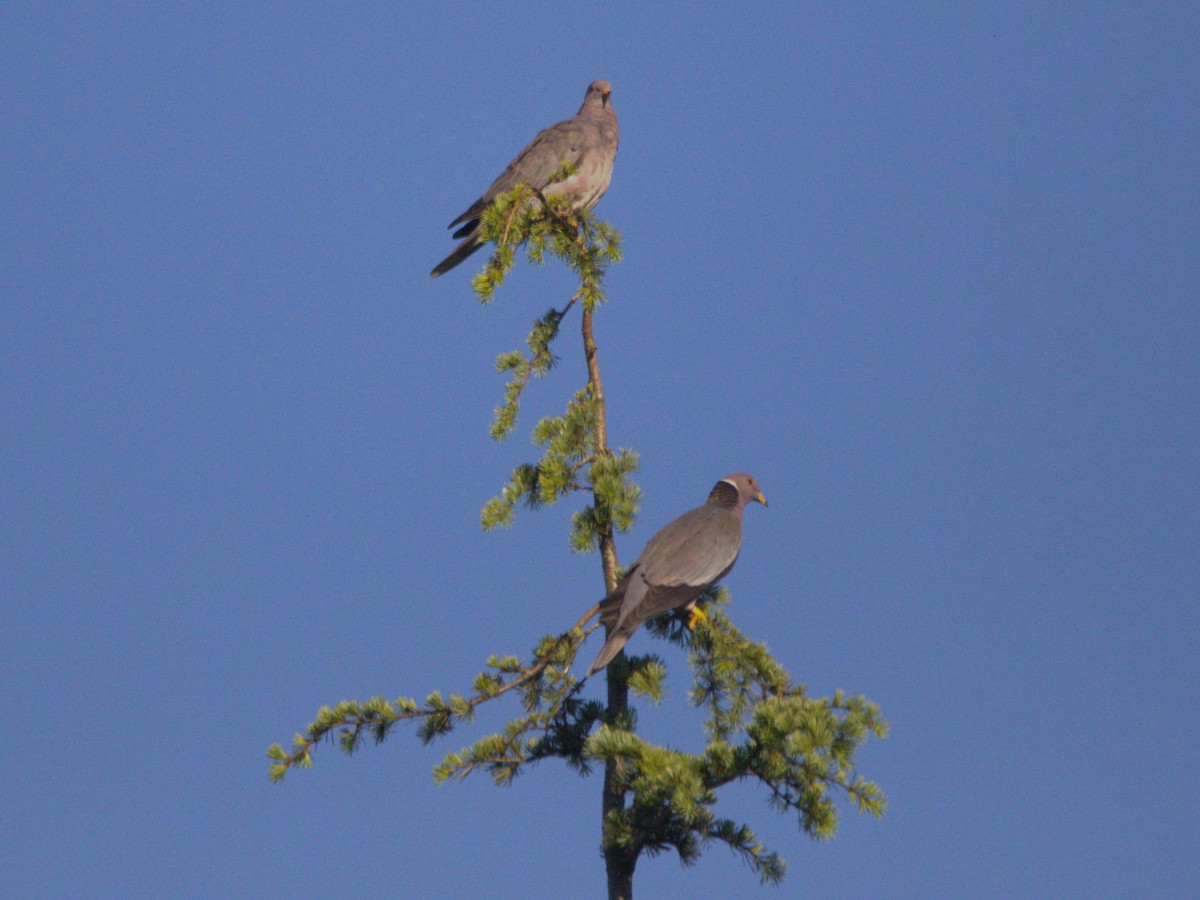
[(681, 562)]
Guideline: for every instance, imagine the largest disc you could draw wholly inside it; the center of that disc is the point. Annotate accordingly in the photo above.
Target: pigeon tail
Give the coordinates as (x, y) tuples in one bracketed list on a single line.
[(611, 648), (461, 252), (472, 225)]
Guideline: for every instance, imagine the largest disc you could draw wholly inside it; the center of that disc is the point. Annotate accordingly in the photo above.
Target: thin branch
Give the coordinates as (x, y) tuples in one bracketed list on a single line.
[(618, 864), (381, 715), (608, 547)]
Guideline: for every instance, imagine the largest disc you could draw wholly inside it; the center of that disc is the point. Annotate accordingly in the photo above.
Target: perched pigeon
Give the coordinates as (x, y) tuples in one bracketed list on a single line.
[(588, 142), (680, 563)]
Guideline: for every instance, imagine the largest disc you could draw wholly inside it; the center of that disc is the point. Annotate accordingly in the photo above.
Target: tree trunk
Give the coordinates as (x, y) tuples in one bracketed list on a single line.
[(618, 865)]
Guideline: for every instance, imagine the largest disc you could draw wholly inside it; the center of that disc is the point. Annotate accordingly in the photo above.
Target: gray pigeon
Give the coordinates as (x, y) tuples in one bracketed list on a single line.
[(680, 563), (588, 142)]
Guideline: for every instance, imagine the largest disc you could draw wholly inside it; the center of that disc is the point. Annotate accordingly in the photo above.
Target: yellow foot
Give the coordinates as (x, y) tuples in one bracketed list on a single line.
[(695, 614)]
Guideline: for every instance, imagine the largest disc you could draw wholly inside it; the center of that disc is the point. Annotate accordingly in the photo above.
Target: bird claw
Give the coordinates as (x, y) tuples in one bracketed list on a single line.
[(695, 614)]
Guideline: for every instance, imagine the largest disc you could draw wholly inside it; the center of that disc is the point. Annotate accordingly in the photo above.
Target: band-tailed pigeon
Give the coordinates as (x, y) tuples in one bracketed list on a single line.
[(588, 142), (680, 563)]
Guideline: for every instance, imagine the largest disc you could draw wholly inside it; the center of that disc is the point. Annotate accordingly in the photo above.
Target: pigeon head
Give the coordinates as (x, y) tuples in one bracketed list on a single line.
[(597, 94), (737, 490)]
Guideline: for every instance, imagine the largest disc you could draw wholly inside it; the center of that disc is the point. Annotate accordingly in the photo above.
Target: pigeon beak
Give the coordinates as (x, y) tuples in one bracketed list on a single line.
[(761, 499)]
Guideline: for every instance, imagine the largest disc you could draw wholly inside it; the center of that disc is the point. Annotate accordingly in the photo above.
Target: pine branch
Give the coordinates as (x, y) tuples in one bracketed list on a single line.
[(353, 719), (761, 726), (575, 445), (540, 361), (545, 224)]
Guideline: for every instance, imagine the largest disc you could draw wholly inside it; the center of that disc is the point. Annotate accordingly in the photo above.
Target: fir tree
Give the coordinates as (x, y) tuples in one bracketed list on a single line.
[(759, 723)]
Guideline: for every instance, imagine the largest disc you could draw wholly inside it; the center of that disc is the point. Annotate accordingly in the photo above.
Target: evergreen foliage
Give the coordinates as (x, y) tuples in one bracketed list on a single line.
[(759, 724)]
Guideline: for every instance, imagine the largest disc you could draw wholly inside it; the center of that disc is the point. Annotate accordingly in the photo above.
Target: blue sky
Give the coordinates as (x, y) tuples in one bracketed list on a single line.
[(929, 271)]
